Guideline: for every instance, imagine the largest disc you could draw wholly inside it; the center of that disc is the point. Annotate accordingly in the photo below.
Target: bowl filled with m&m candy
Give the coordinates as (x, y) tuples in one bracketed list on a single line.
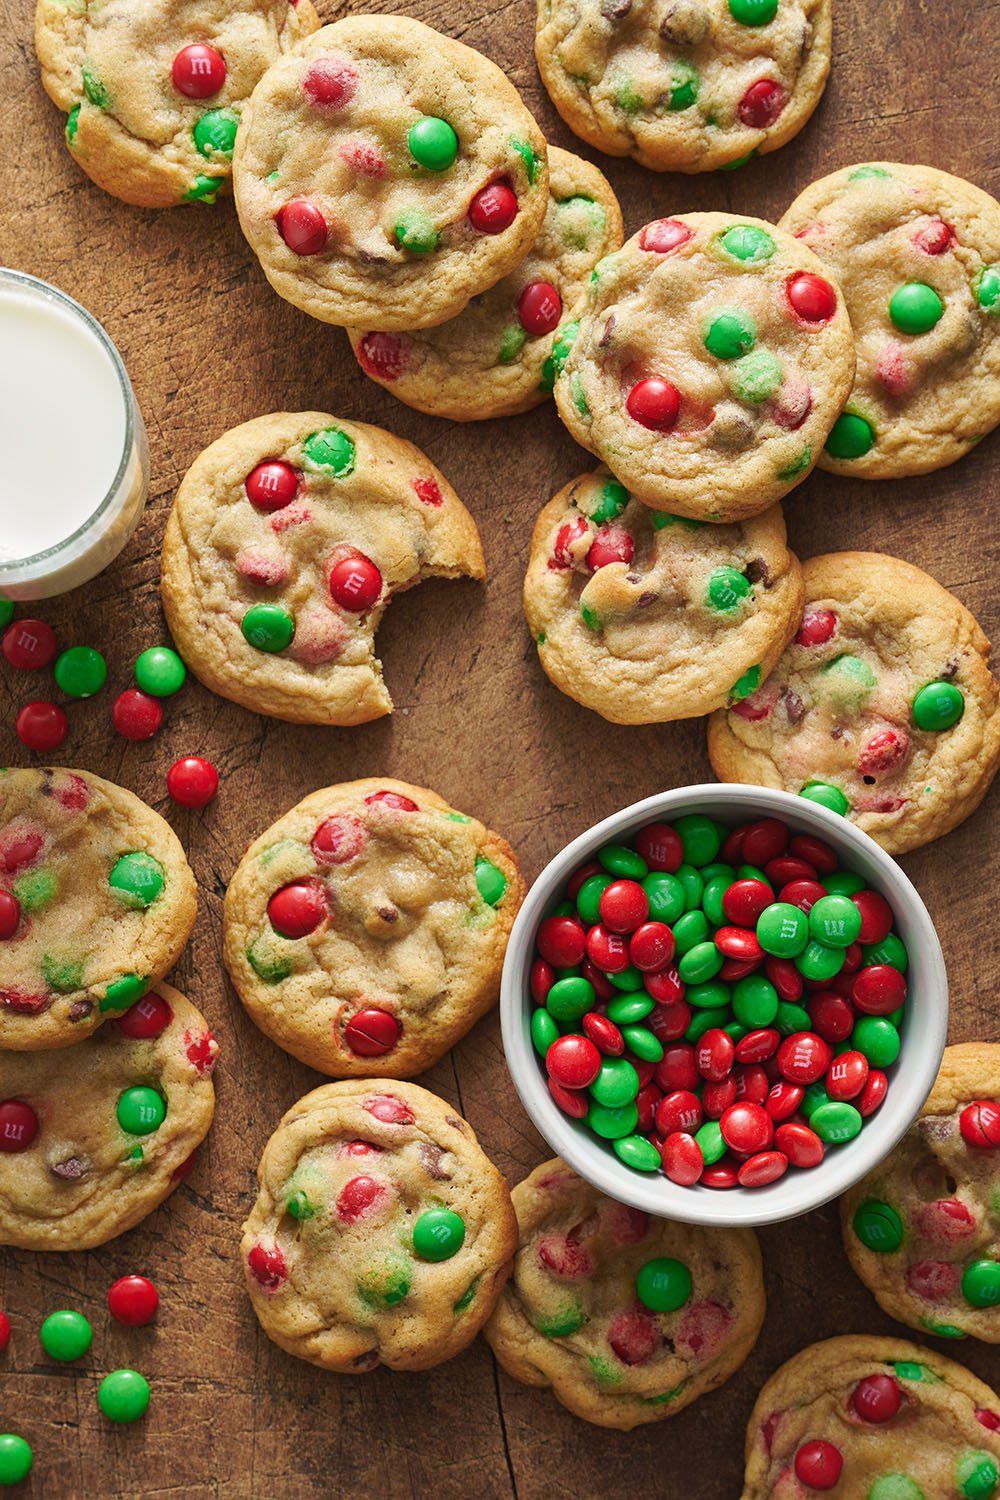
[(723, 1004)]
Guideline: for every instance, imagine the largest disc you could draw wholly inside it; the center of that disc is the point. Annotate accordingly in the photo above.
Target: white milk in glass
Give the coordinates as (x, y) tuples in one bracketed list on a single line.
[(74, 469)]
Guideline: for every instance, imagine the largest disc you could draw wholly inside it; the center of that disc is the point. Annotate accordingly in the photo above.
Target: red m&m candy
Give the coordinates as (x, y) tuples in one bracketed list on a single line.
[(654, 403), (762, 103), (272, 485), (355, 584), (298, 908), (818, 1464), (624, 906), (198, 71), (980, 1124), (133, 1300), (561, 942), (539, 308), (29, 645), (147, 1018), (573, 1061), (664, 235), (877, 1398), (267, 1267), (192, 782), (372, 1032), (18, 1125), (4, 1331), (136, 715), (41, 726), (10, 914), (817, 627), (813, 299), (386, 356), (494, 208), (303, 227)]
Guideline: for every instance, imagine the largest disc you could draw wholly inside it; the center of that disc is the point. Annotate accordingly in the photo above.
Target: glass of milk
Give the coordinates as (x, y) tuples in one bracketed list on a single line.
[(74, 465)]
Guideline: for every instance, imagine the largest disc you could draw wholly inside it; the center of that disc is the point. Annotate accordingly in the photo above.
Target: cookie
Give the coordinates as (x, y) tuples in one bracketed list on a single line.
[(873, 1419), (921, 1230), (90, 1148), (686, 85), (495, 358), (627, 1318), (647, 617), (365, 930), (153, 90), (917, 253), (381, 1233), (883, 707), (288, 537), (385, 174), (712, 359), (97, 901)]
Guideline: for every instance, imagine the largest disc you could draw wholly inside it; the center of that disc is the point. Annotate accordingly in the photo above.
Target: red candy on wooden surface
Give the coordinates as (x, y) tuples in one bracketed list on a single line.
[(192, 782), (29, 644), (133, 1300), (136, 715), (41, 726)]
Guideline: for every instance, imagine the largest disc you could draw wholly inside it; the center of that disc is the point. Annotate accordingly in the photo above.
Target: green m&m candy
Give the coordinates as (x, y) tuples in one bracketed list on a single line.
[(835, 1122), (977, 1475), (438, 1234), (938, 706), (65, 1335), (730, 334), (843, 883), (160, 672), (123, 1396), (643, 1043), (415, 232), (851, 436), (123, 992), (987, 289), (700, 963), (626, 1009), (878, 1039), (80, 672), (891, 950), (700, 838), (663, 1285), (727, 589), (619, 860), (329, 450), (6, 612), (783, 929), (683, 86), (491, 882), (915, 307), (638, 1153), (819, 961), (827, 796), (611, 501), (613, 1121), (433, 143), (755, 1001), (665, 894), (753, 12), (878, 1226), (616, 1084), (745, 685), (981, 1283), (268, 627), (141, 1110), (895, 1486), (137, 879), (544, 1031), (215, 132), (747, 242), (570, 998), (588, 897), (710, 1142), (835, 921), (15, 1458)]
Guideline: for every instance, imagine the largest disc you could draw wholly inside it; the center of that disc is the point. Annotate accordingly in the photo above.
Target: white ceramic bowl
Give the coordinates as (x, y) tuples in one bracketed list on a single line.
[(924, 1027)]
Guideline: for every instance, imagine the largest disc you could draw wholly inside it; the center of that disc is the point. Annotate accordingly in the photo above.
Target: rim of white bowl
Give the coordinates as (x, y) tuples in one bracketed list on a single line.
[(924, 1027)]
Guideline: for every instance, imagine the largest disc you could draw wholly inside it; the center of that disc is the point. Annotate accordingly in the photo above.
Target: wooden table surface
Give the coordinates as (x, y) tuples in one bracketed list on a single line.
[(209, 345)]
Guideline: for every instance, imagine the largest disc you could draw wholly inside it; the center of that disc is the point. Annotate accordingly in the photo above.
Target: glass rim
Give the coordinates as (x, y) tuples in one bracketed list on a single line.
[(48, 292)]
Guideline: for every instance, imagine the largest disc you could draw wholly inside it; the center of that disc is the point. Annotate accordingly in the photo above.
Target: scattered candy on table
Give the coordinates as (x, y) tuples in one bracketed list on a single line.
[(123, 1396), (136, 715), (133, 1300), (15, 1458), (66, 1335), (192, 781), (719, 1003), (41, 725)]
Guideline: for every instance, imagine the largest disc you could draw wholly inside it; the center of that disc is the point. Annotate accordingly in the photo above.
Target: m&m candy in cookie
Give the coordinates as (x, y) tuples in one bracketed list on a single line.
[(922, 1229), (917, 253), (153, 91), (496, 358), (626, 1317), (883, 707), (288, 537), (689, 85), (868, 1418), (93, 1140), (711, 361), (381, 1233), (645, 616), (96, 904), (365, 931), (385, 174)]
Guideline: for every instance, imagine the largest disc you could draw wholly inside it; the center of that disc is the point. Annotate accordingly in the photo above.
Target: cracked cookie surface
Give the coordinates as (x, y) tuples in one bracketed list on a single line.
[(495, 358), (917, 253), (884, 696), (288, 537), (97, 901), (713, 357), (104, 1141), (365, 930), (381, 1233), (570, 1317), (896, 1421), (153, 89), (686, 85), (384, 174), (648, 617)]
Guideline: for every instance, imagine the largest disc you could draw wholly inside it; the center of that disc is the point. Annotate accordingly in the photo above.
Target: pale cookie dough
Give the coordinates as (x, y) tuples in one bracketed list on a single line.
[(570, 1318), (90, 1148), (365, 930), (97, 901), (922, 1229), (288, 537), (495, 358), (153, 89), (942, 1443), (711, 361), (884, 698), (385, 174), (381, 1233), (647, 617), (684, 85), (917, 253)]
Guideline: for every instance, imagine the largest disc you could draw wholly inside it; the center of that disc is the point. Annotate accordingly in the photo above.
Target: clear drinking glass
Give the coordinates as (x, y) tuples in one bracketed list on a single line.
[(74, 462)]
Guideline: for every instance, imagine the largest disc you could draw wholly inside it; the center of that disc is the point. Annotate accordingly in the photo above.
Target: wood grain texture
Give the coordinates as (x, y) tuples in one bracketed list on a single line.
[(209, 345)]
